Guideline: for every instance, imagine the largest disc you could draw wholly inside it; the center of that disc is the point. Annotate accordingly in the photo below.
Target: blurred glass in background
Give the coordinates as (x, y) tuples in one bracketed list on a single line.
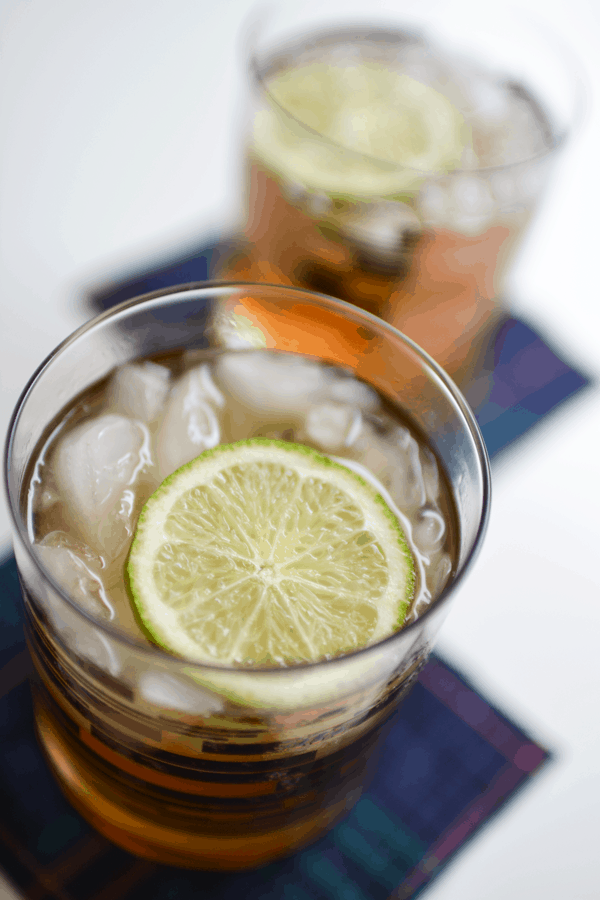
[(394, 159)]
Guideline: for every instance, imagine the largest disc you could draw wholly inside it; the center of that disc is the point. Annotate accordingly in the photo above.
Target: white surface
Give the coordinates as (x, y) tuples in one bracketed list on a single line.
[(119, 127)]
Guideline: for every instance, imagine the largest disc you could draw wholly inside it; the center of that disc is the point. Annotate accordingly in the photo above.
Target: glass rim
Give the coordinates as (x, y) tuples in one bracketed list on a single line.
[(206, 287), (258, 63)]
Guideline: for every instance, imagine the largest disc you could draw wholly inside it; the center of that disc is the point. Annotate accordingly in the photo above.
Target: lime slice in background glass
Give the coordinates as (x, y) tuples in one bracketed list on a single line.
[(399, 129)]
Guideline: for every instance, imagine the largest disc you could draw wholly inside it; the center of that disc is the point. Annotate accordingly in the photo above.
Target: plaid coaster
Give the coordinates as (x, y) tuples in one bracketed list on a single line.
[(522, 378), (449, 762)]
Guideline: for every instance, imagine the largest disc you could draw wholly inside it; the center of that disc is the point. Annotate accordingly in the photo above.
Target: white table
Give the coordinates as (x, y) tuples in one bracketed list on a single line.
[(120, 123)]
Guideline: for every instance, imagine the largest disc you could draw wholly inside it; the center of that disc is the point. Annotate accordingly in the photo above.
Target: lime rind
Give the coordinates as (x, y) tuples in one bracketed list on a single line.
[(306, 687), (161, 621)]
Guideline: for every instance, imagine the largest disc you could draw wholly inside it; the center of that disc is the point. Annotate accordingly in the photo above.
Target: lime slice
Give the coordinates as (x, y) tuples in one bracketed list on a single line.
[(400, 130), (265, 553)]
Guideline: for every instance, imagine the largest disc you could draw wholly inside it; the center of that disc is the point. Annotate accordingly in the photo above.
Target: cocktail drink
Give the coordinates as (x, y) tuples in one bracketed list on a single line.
[(235, 717), (397, 175)]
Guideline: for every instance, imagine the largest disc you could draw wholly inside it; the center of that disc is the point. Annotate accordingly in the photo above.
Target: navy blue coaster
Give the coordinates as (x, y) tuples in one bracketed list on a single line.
[(449, 762), (522, 378)]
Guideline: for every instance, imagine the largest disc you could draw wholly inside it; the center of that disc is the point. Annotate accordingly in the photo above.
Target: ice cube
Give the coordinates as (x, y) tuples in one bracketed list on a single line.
[(383, 229), (407, 485), (420, 606), (440, 575), (82, 637), (140, 390), (505, 188), (270, 387), (532, 180), (76, 568), (47, 499), (431, 474), (333, 426), (371, 450), (99, 649), (388, 451), (434, 202), (429, 530), (489, 100), (170, 692), (190, 424), (96, 468), (353, 392), (473, 205), (525, 131)]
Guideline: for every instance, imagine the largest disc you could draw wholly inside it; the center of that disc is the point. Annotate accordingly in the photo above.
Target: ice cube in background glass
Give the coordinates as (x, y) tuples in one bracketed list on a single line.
[(140, 390), (190, 424), (488, 100), (76, 568), (97, 468), (472, 205)]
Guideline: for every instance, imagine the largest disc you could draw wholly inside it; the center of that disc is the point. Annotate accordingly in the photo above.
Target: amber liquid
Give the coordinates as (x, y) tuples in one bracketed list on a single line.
[(441, 288), (226, 799)]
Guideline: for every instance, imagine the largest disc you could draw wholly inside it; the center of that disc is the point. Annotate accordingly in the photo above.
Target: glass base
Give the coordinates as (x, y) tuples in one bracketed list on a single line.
[(143, 834)]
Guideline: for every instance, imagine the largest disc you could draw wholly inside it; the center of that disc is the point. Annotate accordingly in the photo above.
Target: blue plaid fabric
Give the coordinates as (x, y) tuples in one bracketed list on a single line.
[(449, 762)]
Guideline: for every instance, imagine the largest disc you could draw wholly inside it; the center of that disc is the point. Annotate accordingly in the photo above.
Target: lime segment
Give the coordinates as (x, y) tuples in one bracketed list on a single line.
[(398, 129), (265, 553)]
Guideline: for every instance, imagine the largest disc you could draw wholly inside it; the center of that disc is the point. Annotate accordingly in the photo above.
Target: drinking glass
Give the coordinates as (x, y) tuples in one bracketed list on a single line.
[(206, 766), (335, 202)]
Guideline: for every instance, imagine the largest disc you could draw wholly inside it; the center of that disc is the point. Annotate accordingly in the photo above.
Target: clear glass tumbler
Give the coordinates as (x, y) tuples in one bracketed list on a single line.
[(197, 765), (396, 163)]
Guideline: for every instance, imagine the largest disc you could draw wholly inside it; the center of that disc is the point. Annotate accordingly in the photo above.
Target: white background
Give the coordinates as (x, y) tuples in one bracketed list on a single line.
[(120, 138)]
